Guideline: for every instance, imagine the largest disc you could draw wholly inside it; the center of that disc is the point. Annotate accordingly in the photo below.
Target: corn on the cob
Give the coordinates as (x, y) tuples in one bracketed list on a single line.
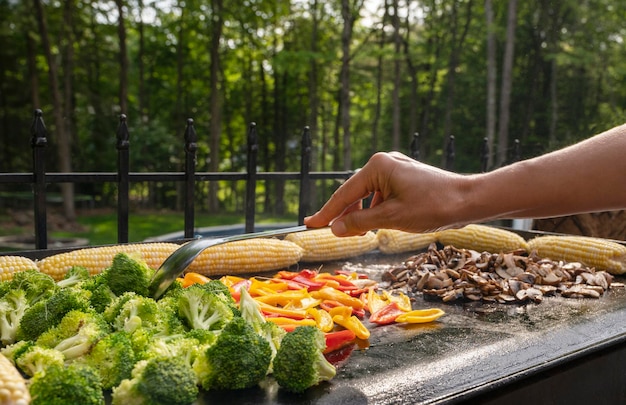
[(322, 245), (395, 241), (13, 390), (482, 238), (10, 265), (246, 256), (99, 258), (594, 252)]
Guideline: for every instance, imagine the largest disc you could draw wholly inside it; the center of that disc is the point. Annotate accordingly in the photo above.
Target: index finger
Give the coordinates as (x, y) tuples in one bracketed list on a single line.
[(352, 191)]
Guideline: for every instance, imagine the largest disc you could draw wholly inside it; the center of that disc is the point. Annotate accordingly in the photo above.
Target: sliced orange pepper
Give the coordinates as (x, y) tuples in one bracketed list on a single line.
[(420, 315), (322, 318), (328, 293), (193, 278)]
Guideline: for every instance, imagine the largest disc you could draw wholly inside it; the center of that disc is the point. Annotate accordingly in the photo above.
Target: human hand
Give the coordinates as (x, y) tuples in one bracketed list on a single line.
[(408, 195)]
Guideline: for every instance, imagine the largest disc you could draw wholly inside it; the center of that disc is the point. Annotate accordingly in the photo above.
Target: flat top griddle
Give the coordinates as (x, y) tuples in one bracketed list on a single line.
[(475, 348)]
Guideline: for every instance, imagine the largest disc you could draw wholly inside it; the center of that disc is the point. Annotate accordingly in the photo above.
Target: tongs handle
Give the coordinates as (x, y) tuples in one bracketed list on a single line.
[(173, 266)]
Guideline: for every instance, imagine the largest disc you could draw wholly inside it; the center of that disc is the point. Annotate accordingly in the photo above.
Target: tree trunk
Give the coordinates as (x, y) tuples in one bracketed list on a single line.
[(123, 58), (143, 96), (491, 82), (379, 80), (412, 113), (314, 95), (63, 142), (395, 97), (347, 13), (215, 101), (453, 63), (507, 81)]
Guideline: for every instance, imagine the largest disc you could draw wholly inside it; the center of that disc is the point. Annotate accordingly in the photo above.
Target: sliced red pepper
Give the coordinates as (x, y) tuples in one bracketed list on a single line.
[(339, 356), (308, 273), (386, 314), (337, 340), (311, 284), (235, 288), (357, 293)]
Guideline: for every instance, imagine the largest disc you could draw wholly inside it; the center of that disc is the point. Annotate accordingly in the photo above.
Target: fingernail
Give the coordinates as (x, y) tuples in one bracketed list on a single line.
[(339, 228)]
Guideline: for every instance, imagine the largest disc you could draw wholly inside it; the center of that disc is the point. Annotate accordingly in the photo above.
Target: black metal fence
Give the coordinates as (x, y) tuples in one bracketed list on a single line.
[(40, 178)]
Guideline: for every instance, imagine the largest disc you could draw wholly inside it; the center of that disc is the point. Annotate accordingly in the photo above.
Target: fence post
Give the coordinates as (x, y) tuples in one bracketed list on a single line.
[(415, 146), (191, 146), (305, 178), (251, 175), (450, 153), (123, 145), (38, 143)]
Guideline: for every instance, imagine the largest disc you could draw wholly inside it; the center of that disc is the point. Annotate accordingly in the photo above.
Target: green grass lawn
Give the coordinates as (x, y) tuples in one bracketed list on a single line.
[(101, 228)]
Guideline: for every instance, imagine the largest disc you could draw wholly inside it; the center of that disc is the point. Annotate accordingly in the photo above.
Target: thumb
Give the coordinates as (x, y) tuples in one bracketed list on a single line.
[(356, 222)]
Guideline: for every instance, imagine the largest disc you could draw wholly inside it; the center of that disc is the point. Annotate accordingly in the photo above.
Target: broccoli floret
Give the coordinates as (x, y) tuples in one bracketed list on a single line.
[(129, 273), (203, 336), (158, 381), (62, 385), (76, 334), (239, 358), (115, 307), (173, 291), (113, 358), (74, 276), (169, 323), (12, 308), (300, 362), (36, 359), (202, 309), (137, 312), (101, 294), (15, 350), (251, 312), (218, 288), (48, 313), (37, 285)]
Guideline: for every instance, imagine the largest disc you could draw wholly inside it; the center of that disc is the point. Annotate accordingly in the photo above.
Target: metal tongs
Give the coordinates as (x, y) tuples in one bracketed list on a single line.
[(177, 262)]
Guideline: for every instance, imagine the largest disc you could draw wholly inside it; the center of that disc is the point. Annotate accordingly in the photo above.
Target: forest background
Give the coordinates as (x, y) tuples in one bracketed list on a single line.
[(364, 75)]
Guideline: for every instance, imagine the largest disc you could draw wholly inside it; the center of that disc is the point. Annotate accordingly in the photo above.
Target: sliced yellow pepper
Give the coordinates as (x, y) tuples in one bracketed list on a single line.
[(329, 293), (420, 315), (289, 313), (403, 301), (375, 301), (230, 281), (343, 311), (354, 324), (262, 288), (322, 318), (285, 297), (279, 320), (304, 303)]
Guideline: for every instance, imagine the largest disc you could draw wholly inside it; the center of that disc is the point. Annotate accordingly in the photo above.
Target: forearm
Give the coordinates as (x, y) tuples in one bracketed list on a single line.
[(589, 176)]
